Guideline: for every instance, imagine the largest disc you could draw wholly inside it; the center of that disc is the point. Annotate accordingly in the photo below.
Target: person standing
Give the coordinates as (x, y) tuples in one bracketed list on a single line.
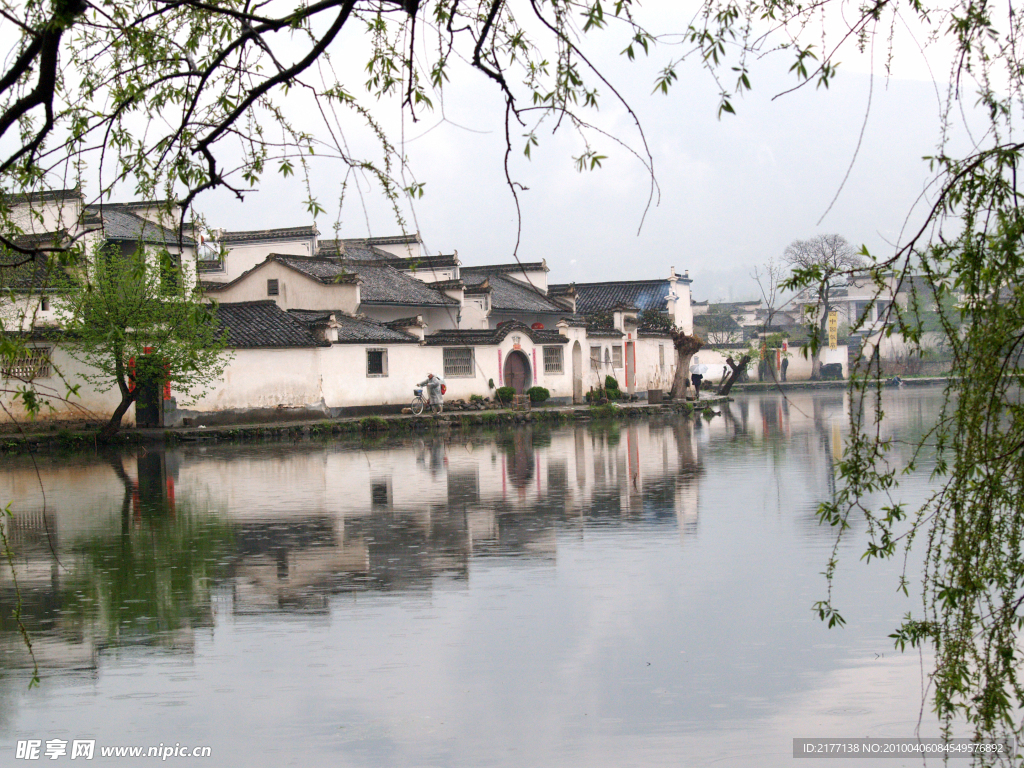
[(435, 391), (785, 365)]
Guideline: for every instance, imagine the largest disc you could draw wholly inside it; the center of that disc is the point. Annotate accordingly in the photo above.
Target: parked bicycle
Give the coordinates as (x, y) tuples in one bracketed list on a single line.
[(421, 402)]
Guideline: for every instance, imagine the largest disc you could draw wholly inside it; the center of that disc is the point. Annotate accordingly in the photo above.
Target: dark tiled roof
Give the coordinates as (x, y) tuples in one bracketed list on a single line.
[(383, 284), (354, 252), (645, 295), (491, 336), (41, 273), (120, 224), (42, 197), (327, 271), (262, 235), (575, 321), (371, 241), (256, 324), (443, 284), (311, 317), (405, 322), (603, 333), (526, 266), (720, 323), (510, 295), (356, 330)]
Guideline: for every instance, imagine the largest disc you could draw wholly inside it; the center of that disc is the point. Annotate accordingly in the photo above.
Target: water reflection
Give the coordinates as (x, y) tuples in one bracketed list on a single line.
[(689, 544)]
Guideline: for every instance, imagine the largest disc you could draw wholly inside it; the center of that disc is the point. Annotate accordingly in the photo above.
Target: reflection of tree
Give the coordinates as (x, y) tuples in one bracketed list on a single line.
[(153, 580)]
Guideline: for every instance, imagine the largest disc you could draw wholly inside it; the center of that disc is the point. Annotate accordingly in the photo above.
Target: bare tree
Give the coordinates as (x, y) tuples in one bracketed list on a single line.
[(823, 263)]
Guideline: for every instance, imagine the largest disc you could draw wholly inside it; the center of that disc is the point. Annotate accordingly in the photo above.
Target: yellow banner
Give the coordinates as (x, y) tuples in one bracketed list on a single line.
[(833, 330)]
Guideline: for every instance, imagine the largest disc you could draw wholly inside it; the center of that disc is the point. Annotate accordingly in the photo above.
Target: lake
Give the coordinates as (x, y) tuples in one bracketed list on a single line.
[(605, 594)]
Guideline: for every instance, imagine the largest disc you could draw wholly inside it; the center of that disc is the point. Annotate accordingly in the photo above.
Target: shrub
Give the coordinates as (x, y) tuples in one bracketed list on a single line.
[(538, 394), (610, 382), (505, 394), (373, 424), (476, 398), (604, 411)]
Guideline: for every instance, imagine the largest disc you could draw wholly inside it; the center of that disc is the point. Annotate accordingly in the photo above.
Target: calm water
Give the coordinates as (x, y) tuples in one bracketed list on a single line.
[(617, 595)]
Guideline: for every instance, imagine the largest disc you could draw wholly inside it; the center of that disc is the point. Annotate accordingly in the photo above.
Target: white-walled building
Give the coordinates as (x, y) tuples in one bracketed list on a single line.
[(326, 327)]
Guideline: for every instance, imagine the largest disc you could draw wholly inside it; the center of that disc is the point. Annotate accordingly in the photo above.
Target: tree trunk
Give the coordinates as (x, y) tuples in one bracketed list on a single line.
[(822, 340), (737, 371), (113, 426), (686, 348), (682, 380)]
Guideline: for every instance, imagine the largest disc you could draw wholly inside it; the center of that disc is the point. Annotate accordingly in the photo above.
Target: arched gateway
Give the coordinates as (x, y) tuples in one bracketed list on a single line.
[(517, 372)]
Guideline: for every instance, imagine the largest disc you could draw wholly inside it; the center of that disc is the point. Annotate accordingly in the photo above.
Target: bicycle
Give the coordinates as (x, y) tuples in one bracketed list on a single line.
[(420, 402)]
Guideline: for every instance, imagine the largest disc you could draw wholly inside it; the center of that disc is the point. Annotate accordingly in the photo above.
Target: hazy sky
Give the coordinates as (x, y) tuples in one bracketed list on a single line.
[(733, 192)]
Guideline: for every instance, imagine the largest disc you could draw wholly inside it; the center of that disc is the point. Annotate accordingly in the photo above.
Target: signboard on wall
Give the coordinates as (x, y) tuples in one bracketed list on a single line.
[(833, 330)]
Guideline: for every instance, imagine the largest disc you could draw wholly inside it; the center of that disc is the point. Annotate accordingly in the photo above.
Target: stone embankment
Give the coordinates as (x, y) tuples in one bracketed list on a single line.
[(391, 424)]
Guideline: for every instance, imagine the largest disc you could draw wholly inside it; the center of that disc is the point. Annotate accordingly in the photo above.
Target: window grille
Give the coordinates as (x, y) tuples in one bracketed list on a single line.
[(553, 360), (617, 356), (458, 361), (376, 362), (272, 288), (33, 363), (595, 358), (661, 356)]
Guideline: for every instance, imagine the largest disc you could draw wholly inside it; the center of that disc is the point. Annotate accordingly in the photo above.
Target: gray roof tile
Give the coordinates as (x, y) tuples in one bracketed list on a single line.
[(356, 330), (492, 336), (645, 295), (119, 223), (383, 284), (262, 324), (261, 235), (511, 295)]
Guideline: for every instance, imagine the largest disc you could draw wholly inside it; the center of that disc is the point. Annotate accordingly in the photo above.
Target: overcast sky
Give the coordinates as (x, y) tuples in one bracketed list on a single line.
[(733, 192)]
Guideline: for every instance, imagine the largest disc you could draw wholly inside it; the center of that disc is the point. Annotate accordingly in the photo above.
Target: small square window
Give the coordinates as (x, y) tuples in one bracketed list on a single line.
[(595, 358), (553, 360), (458, 362), (376, 362), (617, 356), (272, 288), (44, 304), (29, 364)]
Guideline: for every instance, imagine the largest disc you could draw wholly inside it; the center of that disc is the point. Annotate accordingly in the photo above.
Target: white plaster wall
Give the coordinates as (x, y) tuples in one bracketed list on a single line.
[(87, 404), (429, 274), (548, 320), (295, 291), (243, 257), (535, 278), (404, 250), (650, 374), (265, 378), (48, 216), (345, 382), (594, 379), (24, 312), (684, 308), (799, 367), (439, 318), (474, 313)]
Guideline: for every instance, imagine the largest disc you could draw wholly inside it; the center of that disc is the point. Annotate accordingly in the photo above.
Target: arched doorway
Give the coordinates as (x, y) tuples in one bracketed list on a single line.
[(517, 372), (577, 373)]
